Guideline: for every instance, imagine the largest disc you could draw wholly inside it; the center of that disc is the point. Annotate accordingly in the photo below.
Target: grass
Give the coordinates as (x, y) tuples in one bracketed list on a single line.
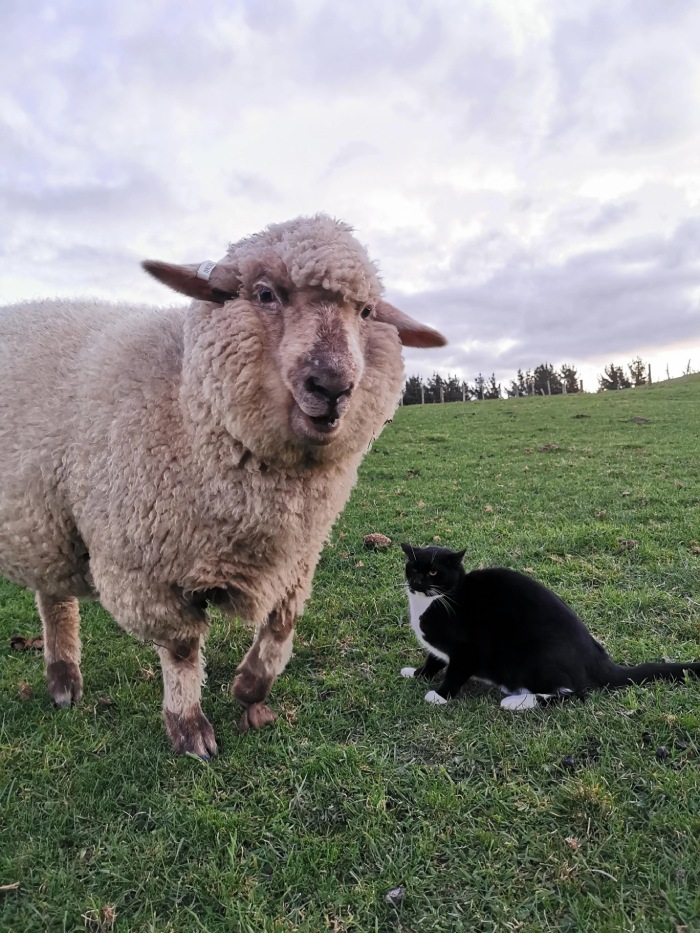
[(563, 819)]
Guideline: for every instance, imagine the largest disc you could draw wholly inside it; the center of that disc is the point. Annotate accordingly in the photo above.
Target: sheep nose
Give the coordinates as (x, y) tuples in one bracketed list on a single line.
[(329, 387)]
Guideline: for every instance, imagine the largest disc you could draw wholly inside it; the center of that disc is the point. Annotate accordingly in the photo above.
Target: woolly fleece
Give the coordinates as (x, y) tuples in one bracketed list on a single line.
[(146, 456)]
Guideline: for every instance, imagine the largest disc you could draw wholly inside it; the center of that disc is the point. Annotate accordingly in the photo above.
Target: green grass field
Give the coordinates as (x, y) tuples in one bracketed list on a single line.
[(480, 815)]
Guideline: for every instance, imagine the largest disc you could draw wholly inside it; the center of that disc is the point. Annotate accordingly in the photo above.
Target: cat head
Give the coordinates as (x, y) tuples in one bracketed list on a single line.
[(432, 570)]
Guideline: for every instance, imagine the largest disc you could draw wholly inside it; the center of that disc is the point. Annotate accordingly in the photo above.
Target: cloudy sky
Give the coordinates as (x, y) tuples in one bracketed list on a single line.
[(526, 174)]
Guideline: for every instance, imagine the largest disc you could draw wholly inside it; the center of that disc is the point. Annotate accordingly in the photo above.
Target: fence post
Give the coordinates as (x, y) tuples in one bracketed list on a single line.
[(422, 394), (649, 375)]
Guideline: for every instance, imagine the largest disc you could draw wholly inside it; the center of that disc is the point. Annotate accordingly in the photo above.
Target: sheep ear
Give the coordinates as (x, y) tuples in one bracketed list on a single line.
[(192, 281), (411, 333)]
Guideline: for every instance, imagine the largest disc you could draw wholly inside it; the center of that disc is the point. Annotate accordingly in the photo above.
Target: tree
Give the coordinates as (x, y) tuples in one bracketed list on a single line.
[(453, 389), (569, 378), (613, 378), (412, 391), (547, 380), (479, 387), (433, 388), (517, 386), (492, 389), (638, 372)]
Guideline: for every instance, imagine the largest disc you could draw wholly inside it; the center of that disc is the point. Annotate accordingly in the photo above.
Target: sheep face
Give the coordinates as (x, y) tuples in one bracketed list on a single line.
[(319, 343)]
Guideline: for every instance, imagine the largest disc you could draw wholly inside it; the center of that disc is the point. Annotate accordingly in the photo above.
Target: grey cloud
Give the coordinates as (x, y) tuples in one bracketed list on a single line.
[(47, 268), (137, 191), (347, 154), (595, 303), (609, 215), (270, 16), (625, 72), (343, 46), (253, 187)]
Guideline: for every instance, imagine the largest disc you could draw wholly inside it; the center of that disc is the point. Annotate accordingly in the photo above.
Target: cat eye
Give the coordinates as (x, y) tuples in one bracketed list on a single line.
[(432, 573)]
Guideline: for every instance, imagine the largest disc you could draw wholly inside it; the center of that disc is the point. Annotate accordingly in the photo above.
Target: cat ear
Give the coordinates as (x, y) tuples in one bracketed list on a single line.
[(459, 556), (407, 549)]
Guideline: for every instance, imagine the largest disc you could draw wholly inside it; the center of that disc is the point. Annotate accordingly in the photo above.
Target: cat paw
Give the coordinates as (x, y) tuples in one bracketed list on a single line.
[(520, 701), (408, 671), (432, 696)]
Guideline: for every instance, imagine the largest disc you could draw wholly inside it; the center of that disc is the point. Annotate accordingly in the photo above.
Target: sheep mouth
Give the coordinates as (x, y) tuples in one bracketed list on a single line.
[(317, 429), (326, 424)]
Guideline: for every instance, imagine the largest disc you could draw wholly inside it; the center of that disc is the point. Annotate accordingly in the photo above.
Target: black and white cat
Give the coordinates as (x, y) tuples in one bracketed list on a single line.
[(503, 627)]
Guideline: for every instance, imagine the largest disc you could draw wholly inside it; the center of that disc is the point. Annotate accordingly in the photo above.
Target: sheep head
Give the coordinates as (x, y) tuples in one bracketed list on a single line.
[(308, 293)]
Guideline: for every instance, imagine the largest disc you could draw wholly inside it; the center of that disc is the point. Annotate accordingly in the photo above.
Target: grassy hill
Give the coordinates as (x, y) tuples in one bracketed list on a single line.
[(678, 380), (584, 817)]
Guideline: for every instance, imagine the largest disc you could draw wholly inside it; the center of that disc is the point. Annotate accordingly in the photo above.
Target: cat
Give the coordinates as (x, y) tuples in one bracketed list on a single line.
[(502, 627)]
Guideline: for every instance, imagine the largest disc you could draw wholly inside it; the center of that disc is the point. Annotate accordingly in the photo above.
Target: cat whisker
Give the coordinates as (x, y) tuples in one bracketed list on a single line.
[(450, 609), (445, 601)]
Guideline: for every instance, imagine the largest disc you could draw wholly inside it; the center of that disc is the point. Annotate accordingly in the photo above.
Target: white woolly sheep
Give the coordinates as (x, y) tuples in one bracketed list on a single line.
[(164, 460)]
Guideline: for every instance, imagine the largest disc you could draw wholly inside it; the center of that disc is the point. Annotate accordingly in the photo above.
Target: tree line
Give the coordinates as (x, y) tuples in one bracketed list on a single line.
[(544, 379), (614, 377)]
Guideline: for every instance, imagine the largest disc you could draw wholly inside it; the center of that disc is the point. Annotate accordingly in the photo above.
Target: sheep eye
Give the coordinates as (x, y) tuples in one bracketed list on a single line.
[(266, 296), (365, 313)]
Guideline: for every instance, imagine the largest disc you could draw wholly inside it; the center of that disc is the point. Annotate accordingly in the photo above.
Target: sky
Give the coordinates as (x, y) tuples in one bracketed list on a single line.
[(526, 174)]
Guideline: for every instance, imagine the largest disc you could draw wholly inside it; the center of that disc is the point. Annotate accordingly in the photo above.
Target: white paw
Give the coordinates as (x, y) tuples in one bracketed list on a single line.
[(520, 701), (433, 697), (408, 671)]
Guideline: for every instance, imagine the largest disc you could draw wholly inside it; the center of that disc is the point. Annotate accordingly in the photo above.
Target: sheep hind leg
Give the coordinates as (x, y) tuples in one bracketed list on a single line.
[(60, 619), (264, 662), (188, 728)]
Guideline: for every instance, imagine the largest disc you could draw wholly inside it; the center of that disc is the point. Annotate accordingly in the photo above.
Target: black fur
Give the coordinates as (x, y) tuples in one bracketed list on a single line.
[(505, 627)]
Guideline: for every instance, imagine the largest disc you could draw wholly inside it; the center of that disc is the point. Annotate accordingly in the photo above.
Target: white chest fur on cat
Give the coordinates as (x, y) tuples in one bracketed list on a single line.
[(417, 604)]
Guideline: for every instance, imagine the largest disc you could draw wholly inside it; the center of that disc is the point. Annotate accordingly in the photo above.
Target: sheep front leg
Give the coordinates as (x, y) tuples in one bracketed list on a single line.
[(265, 661), (188, 728), (60, 620)]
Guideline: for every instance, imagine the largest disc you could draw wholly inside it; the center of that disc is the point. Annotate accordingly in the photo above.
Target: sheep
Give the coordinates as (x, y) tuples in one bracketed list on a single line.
[(166, 460)]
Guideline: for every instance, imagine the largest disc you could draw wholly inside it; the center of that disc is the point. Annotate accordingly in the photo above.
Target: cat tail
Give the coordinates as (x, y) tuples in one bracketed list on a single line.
[(619, 675)]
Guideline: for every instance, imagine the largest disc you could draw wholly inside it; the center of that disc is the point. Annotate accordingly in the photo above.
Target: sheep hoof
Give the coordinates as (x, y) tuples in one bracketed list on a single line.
[(65, 683), (191, 733), (255, 716)]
